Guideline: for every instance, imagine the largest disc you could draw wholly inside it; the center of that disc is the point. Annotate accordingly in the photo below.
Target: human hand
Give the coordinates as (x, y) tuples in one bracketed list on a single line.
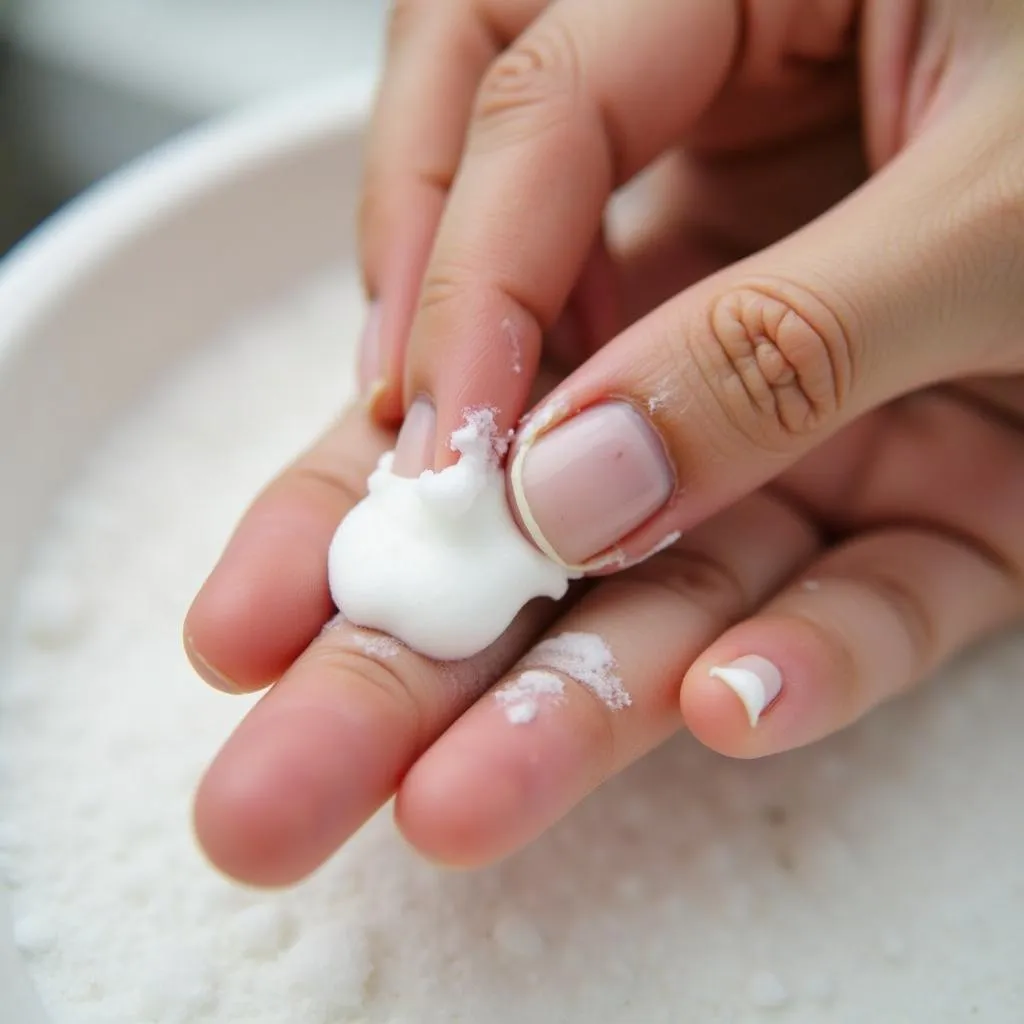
[(861, 566), (860, 570)]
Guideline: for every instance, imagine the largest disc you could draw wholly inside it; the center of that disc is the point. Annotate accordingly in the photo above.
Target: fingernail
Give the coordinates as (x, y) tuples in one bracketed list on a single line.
[(414, 449), (591, 481), (755, 680), (207, 672), (370, 367)]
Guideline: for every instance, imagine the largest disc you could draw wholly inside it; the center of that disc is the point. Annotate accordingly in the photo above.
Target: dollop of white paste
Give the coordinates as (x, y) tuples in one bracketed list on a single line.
[(437, 561)]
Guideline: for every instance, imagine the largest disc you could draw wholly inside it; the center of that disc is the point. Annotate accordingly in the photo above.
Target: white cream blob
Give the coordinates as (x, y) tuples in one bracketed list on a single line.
[(437, 561)]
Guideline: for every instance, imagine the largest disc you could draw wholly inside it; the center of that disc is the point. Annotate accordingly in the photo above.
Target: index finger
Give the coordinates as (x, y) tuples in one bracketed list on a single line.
[(436, 56), (587, 96)]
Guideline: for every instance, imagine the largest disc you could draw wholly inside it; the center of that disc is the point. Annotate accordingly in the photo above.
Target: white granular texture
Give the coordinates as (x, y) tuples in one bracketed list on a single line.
[(516, 935), (586, 658), (767, 990), (653, 903), (521, 697)]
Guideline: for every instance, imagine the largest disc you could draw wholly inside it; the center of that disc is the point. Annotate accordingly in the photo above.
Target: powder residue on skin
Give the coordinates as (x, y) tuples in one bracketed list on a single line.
[(586, 658), (509, 330), (376, 645), (521, 698)]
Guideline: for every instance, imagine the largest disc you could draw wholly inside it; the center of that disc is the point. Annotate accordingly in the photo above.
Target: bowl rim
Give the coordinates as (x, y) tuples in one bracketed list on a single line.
[(80, 236)]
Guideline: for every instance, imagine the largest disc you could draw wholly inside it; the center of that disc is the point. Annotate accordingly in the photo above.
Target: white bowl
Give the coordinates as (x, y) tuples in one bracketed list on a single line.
[(148, 264)]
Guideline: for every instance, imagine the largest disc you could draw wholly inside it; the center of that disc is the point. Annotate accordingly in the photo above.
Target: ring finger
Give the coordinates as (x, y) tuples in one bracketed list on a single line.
[(599, 691)]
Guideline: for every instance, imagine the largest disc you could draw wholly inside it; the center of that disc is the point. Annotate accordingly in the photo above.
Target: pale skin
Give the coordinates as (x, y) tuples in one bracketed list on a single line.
[(820, 316)]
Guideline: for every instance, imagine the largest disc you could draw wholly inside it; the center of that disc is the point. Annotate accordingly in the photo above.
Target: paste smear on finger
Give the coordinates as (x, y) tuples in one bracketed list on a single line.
[(438, 560)]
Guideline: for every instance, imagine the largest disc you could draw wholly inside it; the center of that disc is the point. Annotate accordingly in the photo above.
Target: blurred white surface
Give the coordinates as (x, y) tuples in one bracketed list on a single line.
[(100, 81), (274, 188)]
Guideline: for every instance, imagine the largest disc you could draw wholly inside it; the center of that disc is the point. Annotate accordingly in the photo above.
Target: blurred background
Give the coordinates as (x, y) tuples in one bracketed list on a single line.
[(86, 85)]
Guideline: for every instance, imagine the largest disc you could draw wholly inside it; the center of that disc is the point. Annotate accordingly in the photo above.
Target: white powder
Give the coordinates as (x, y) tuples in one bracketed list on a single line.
[(767, 991), (586, 658), (652, 902), (516, 349), (894, 948), (53, 612), (515, 934), (379, 646), (35, 934), (521, 697)]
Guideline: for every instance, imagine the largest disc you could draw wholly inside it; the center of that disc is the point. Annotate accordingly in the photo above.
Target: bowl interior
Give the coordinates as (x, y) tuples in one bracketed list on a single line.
[(151, 263)]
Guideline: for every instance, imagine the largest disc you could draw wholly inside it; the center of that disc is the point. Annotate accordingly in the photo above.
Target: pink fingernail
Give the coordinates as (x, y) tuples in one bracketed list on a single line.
[(370, 363), (591, 481), (414, 449), (755, 680)]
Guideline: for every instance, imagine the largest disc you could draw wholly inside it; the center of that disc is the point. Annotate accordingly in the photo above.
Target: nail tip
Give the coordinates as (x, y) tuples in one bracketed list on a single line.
[(372, 395), (209, 675), (744, 678)]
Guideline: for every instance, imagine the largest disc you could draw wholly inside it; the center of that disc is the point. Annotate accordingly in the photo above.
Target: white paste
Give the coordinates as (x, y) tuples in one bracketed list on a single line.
[(755, 680), (438, 561)]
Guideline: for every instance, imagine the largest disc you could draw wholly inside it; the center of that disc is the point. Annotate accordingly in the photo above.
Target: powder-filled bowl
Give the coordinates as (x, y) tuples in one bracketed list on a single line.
[(874, 876), (130, 277)]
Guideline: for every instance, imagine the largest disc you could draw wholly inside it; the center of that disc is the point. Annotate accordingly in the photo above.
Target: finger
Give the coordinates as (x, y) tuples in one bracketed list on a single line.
[(933, 459), (267, 598), (583, 99), (640, 631), (869, 619), (437, 54), (329, 744), (734, 380)]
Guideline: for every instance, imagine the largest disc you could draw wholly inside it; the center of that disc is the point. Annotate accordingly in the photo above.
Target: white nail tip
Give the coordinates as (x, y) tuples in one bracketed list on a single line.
[(755, 680)]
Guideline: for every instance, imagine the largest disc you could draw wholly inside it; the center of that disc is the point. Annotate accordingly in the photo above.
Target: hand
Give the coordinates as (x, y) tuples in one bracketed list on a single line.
[(879, 541), (855, 574)]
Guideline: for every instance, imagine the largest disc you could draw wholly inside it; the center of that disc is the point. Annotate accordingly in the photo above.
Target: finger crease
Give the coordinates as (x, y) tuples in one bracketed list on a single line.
[(380, 678), (322, 479)]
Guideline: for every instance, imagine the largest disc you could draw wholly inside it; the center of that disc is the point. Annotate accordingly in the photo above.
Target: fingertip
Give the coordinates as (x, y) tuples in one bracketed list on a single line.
[(209, 675), (267, 598), (451, 816), (282, 795), (250, 621), (715, 715), (245, 831)]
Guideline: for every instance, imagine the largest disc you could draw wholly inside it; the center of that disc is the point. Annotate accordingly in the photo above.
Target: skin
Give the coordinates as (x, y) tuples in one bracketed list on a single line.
[(857, 529)]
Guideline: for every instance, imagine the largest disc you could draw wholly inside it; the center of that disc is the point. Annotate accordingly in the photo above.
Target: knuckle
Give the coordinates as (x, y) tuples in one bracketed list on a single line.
[(777, 361), (441, 288), (340, 658), (695, 578), (911, 611), (528, 88)]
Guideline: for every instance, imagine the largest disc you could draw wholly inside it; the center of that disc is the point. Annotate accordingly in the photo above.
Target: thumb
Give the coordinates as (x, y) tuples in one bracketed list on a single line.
[(911, 280)]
